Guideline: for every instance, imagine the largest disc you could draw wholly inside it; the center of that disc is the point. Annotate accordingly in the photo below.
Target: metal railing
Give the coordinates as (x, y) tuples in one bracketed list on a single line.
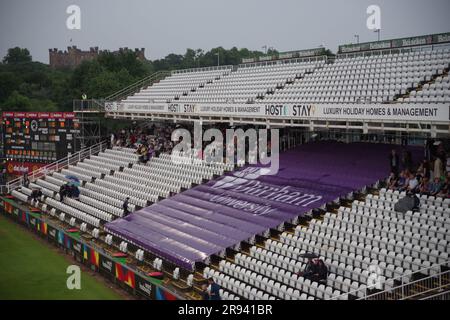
[(55, 166), (406, 289), (89, 105), (439, 296), (202, 69), (138, 85)]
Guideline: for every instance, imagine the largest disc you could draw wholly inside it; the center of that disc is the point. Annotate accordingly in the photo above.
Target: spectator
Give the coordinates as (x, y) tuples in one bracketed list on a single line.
[(424, 169), (401, 180), (36, 193), (69, 190), (322, 271), (311, 271), (62, 192), (413, 183), (435, 187), (438, 168), (204, 292), (409, 203), (214, 292), (445, 189), (75, 192), (424, 186), (447, 168), (25, 180), (392, 181), (113, 140), (126, 211), (394, 161), (143, 158)]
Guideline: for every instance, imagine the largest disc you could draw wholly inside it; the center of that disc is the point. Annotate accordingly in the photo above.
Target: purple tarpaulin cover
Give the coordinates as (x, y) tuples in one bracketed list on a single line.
[(190, 226)]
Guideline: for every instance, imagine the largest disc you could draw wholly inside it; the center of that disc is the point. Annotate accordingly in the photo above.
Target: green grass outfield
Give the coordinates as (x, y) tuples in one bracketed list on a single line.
[(30, 269)]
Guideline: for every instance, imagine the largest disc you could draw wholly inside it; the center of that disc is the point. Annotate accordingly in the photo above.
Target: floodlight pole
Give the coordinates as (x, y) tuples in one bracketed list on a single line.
[(378, 31)]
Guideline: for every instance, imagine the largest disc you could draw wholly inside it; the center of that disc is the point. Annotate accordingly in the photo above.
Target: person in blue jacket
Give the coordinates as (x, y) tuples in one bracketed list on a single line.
[(214, 293)]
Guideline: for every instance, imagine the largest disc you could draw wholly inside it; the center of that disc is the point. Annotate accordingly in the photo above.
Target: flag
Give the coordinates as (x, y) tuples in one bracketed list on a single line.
[(25, 217), (61, 237), (86, 251), (160, 294), (44, 228), (8, 207), (95, 258), (68, 241), (125, 275)]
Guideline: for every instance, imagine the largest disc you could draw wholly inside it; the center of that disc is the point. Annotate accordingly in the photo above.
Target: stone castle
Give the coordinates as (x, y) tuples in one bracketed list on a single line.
[(74, 56)]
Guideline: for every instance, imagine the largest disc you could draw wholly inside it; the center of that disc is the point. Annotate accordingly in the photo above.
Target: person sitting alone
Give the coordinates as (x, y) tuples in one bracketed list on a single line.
[(26, 181), (126, 211), (62, 192), (204, 292), (36, 194), (69, 191), (311, 271), (322, 271), (75, 192), (214, 292)]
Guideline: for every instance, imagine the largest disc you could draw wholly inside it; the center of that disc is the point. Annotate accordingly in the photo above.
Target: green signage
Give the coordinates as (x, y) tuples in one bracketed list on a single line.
[(396, 43), (288, 55)]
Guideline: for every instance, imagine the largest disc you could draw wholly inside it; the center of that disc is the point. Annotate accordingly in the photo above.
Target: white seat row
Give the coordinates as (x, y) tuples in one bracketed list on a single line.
[(73, 212), (88, 209)]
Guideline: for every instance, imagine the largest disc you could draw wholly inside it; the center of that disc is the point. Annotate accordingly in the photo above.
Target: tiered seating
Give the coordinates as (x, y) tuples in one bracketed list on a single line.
[(368, 234), (111, 176), (247, 83), (177, 85), (67, 209), (436, 92), (376, 78)]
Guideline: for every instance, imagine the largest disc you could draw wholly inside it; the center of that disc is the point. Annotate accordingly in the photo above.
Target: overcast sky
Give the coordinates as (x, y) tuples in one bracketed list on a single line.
[(171, 26)]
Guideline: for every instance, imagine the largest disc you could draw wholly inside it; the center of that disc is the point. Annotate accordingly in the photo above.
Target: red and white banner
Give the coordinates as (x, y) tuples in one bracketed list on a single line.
[(19, 168), (45, 115)]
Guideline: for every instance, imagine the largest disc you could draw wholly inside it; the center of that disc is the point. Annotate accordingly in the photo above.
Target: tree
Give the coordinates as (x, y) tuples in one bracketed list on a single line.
[(17, 102), (8, 83), (32, 86), (17, 55)]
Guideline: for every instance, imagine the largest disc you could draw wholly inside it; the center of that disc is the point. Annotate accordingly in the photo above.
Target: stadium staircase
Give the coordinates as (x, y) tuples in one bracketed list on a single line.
[(55, 166), (420, 86), (137, 86), (202, 86)]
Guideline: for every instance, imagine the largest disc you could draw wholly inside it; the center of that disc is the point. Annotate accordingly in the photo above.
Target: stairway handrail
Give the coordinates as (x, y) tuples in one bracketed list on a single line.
[(56, 165), (138, 84), (399, 279)]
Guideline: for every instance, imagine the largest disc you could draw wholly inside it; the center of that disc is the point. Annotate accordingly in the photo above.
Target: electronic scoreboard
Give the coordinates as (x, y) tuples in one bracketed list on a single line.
[(33, 139)]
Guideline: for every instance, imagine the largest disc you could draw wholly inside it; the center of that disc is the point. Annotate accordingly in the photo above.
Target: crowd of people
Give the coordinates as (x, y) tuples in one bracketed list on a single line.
[(149, 141), (155, 139), (431, 177)]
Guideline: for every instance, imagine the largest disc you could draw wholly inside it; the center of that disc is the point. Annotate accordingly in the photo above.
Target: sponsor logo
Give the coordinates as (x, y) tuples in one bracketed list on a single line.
[(145, 287), (77, 247), (303, 110), (107, 265), (276, 110)]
